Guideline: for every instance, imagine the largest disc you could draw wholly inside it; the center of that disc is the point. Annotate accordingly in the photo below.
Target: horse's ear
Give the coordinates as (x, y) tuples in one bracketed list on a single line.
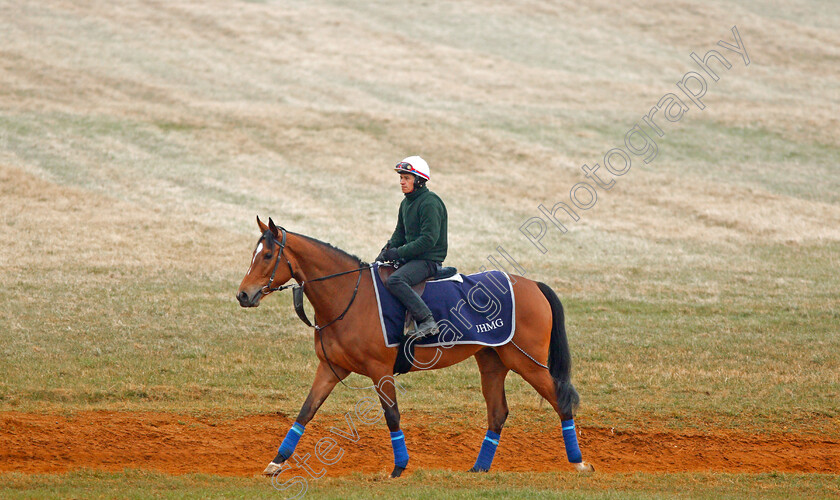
[(272, 227), (263, 227)]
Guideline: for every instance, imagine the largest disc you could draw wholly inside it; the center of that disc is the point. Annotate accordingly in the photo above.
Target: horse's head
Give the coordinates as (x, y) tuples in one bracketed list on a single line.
[(269, 267)]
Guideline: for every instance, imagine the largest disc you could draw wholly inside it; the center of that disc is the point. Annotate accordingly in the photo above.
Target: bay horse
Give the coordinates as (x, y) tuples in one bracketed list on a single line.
[(350, 340)]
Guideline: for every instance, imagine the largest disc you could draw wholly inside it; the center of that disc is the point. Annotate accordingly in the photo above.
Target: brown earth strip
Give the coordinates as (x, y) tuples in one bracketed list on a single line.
[(179, 444)]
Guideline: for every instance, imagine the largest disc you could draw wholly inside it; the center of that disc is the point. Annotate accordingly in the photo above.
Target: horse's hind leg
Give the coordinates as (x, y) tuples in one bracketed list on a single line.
[(493, 373), (541, 380)]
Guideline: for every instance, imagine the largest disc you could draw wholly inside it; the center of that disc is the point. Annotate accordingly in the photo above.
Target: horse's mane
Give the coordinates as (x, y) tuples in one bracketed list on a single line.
[(334, 249)]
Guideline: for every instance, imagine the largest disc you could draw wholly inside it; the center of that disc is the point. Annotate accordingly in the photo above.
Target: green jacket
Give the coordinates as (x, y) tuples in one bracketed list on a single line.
[(421, 227)]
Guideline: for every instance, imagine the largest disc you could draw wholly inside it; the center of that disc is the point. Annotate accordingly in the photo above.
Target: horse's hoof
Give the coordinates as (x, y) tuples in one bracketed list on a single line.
[(584, 467), (396, 472), (272, 469)]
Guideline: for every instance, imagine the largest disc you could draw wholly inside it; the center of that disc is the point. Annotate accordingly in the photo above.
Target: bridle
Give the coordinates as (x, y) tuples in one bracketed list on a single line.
[(282, 245)]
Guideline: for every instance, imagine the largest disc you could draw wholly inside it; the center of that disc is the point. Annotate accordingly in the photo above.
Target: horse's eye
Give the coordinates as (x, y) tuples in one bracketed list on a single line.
[(267, 256)]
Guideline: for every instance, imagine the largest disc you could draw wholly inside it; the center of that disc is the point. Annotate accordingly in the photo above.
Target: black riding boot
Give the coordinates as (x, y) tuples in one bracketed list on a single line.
[(400, 283)]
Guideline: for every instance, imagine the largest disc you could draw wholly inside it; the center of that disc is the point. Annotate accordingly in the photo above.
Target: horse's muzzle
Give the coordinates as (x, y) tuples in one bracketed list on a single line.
[(245, 301)]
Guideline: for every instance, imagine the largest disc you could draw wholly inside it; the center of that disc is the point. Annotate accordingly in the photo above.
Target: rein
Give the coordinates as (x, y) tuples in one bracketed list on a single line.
[(297, 290), (297, 294)]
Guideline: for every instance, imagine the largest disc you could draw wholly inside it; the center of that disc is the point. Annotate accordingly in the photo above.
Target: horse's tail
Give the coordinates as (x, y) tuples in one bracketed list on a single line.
[(559, 357)]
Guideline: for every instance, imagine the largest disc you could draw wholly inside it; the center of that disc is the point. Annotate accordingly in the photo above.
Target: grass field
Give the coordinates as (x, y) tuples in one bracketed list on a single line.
[(139, 140), (429, 485)]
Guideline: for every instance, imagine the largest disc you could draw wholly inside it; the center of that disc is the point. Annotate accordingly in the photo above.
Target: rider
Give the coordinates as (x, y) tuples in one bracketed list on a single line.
[(418, 243)]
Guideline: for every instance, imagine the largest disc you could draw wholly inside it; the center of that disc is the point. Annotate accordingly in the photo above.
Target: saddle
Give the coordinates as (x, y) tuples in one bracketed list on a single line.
[(386, 270), (484, 312), (402, 364)]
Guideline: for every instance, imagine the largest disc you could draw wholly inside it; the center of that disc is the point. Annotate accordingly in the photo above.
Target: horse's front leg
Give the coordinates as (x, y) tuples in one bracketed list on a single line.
[(322, 386), (386, 388)]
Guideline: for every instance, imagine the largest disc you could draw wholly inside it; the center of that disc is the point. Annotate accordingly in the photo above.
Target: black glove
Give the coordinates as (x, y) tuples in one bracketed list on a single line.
[(381, 256), (390, 255)]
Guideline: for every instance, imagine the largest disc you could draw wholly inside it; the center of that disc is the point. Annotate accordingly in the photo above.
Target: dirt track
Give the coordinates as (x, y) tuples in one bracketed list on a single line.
[(177, 444)]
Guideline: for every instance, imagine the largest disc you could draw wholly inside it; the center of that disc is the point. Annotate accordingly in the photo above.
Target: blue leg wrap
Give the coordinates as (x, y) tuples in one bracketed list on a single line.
[(400, 451), (570, 439), (287, 448), (487, 452)]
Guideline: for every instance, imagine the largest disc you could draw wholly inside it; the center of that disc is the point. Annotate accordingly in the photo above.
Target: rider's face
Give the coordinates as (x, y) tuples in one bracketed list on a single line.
[(407, 183)]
